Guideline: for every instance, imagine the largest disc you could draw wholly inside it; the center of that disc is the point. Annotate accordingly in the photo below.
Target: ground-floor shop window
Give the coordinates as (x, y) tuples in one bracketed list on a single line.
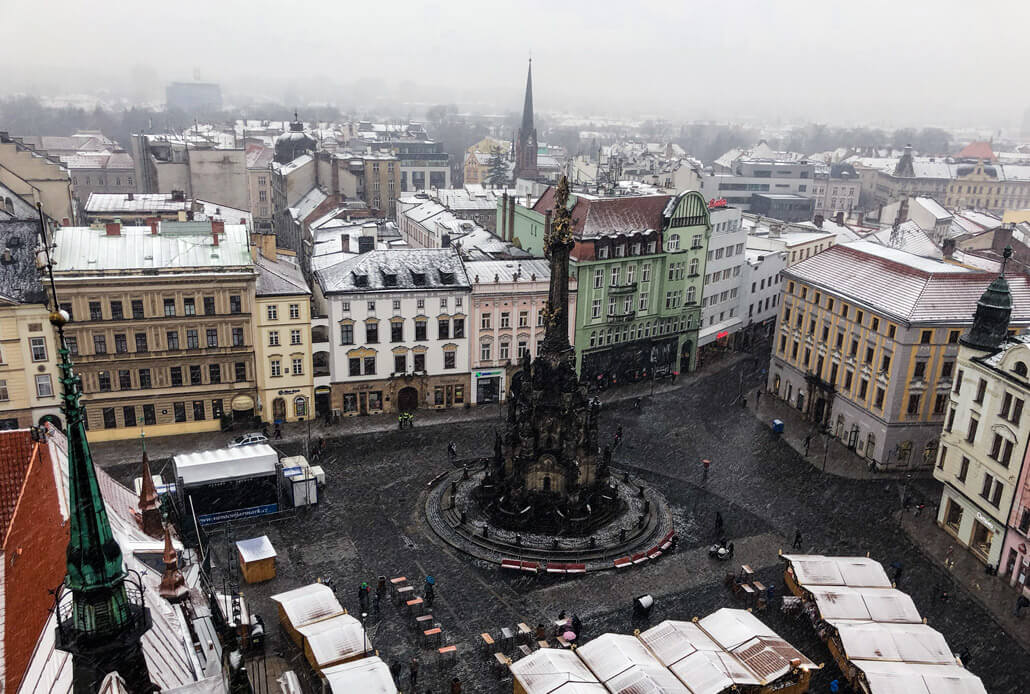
[(438, 396), (350, 402), (375, 400), (953, 515), (459, 395), (300, 405), (982, 538)]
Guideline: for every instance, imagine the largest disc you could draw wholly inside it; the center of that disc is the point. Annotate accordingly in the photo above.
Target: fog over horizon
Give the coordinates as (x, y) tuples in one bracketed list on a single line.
[(885, 63)]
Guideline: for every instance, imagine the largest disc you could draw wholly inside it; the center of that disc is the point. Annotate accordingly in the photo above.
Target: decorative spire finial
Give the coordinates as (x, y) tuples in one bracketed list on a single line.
[(1005, 255)]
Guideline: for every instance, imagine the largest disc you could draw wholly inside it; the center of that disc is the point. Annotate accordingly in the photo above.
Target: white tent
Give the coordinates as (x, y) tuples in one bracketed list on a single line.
[(886, 677), (865, 604), (913, 643), (365, 676), (334, 640), (223, 464), (554, 670), (856, 572)]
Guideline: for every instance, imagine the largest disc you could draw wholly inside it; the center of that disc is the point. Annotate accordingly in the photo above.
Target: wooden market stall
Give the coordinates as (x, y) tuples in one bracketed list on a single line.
[(624, 664), (333, 641), (306, 605), (257, 559), (553, 671), (366, 676)]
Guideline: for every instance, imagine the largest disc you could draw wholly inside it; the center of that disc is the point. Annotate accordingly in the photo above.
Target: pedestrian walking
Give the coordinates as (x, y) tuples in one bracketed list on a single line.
[(430, 593), (618, 437), (376, 599), (897, 573), (413, 673), (743, 402), (718, 522), (706, 462), (264, 431), (455, 686), (758, 397), (835, 686), (949, 558), (363, 590), (452, 451), (797, 538), (278, 431), (808, 441), (395, 672), (1022, 602), (577, 626)]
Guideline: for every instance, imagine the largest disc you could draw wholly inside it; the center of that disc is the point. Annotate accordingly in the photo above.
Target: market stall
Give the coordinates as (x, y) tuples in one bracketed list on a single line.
[(624, 664), (333, 641), (257, 559), (553, 670), (367, 676), (306, 605)]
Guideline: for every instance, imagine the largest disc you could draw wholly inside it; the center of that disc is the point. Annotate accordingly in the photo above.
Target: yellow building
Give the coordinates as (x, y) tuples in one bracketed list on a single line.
[(161, 328), (28, 378), (282, 338), (36, 177), (477, 159)]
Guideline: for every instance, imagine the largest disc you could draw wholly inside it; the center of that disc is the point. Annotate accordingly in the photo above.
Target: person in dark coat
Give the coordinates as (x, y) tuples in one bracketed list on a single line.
[(413, 672), (797, 539)]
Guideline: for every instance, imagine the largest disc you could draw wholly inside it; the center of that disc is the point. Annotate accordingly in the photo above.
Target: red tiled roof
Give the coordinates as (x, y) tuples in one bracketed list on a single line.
[(912, 294), (593, 217), (15, 455), (977, 150)]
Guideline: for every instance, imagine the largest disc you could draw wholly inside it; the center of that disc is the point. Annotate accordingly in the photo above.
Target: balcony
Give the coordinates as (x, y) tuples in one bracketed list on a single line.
[(621, 317), (623, 288)]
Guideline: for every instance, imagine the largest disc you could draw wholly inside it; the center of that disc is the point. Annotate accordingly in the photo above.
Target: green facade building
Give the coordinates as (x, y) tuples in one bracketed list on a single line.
[(640, 265)]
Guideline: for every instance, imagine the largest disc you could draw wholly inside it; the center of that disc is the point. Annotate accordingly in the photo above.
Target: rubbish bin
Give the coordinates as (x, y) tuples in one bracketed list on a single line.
[(642, 605), (777, 425)]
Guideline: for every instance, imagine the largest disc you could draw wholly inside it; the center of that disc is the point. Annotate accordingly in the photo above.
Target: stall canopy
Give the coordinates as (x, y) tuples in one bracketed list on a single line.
[(367, 676), (610, 654), (555, 670), (646, 679), (885, 677), (308, 604), (913, 643), (256, 549), (757, 647), (673, 640), (224, 464), (334, 640), (855, 572), (865, 604)]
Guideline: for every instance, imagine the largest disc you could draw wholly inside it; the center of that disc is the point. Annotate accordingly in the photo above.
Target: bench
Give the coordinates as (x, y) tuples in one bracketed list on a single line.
[(758, 586), (561, 641), (414, 606), (422, 621), (622, 562), (488, 642), (524, 650), (502, 662), (576, 568), (554, 567), (507, 639), (513, 564), (654, 552), (447, 654), (434, 634), (530, 566), (638, 558), (667, 541), (524, 631), (543, 644)]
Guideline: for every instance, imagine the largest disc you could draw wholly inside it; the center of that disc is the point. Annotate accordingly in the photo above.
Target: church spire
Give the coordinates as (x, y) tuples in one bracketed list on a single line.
[(527, 107), (149, 502), (993, 311), (100, 611)]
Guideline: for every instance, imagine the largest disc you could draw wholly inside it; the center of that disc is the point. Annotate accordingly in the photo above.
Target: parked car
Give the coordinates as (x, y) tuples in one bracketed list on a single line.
[(248, 440)]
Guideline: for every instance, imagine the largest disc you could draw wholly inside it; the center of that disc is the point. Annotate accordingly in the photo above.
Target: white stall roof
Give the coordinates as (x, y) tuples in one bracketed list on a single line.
[(856, 572), (674, 640), (224, 464), (913, 643), (334, 639), (710, 672), (308, 604), (885, 677), (646, 679), (610, 654), (256, 549), (367, 676), (555, 670), (730, 628), (865, 604)]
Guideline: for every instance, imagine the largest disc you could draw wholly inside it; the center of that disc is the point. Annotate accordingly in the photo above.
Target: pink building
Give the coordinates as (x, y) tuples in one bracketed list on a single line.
[(1015, 554), (508, 300)]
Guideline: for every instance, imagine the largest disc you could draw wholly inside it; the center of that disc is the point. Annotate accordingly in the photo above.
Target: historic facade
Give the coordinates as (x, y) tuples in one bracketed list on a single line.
[(161, 325), (398, 324)]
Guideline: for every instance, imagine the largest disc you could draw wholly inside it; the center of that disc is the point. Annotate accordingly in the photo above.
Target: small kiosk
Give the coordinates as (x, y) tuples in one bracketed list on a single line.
[(368, 676), (257, 559)]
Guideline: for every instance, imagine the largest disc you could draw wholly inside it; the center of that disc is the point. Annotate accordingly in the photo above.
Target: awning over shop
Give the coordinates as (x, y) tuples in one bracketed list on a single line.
[(242, 403)]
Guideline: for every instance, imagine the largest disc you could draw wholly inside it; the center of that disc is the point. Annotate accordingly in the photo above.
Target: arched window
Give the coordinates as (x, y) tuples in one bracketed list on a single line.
[(1020, 369), (692, 268), (300, 406), (674, 242), (691, 294)]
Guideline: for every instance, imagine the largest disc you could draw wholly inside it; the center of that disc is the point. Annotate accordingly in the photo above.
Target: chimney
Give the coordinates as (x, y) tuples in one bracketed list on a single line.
[(217, 227), (839, 218), (132, 196), (155, 225), (149, 504), (269, 249), (114, 228), (4, 136), (818, 220), (510, 230), (948, 247), (504, 214), (366, 244), (178, 196)]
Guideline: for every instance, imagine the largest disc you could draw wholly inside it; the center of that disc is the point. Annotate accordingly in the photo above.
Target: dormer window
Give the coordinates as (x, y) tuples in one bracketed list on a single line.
[(389, 279), (360, 280), (418, 279), (446, 277)]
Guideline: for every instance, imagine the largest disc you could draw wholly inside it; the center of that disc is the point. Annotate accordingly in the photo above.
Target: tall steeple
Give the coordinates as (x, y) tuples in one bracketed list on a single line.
[(993, 310), (149, 502), (525, 141), (101, 615)]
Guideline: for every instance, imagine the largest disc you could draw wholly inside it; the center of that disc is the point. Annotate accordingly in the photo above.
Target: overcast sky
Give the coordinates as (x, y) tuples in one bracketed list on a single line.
[(888, 62)]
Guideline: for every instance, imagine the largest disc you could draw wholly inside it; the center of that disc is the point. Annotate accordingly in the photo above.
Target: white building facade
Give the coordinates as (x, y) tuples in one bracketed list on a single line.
[(398, 330), (724, 276), (761, 285)]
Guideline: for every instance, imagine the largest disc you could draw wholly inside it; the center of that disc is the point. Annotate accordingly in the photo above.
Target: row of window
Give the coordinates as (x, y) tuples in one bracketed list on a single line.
[(486, 350), (695, 242), (133, 415), (769, 301), (628, 333), (420, 304), (486, 320), (719, 298), (446, 328), (272, 311), (172, 343), (192, 375), (101, 181), (725, 275), (275, 367), (295, 338), (621, 249), (116, 308), (44, 387), (367, 366), (991, 489), (728, 251), (631, 274)]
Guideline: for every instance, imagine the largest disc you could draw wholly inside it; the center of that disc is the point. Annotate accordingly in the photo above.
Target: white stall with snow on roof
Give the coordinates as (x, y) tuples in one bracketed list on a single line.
[(367, 676)]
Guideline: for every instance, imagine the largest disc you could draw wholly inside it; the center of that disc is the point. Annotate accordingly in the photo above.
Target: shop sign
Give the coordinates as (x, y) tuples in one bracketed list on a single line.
[(289, 391), (722, 334), (715, 203), (487, 374), (986, 522)]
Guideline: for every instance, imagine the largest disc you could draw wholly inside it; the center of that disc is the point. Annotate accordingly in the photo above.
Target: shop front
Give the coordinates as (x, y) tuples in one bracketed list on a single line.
[(630, 362), (403, 393), (971, 526), (487, 386)]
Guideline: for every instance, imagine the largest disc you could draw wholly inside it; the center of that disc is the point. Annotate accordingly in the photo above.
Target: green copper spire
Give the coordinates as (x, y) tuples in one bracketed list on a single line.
[(993, 312)]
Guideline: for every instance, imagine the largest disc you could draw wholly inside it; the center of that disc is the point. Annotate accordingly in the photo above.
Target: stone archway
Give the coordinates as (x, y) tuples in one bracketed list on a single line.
[(279, 409), (407, 399)]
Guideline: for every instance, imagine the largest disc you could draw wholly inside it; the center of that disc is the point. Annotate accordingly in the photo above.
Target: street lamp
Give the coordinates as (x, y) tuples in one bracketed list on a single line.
[(364, 635)]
